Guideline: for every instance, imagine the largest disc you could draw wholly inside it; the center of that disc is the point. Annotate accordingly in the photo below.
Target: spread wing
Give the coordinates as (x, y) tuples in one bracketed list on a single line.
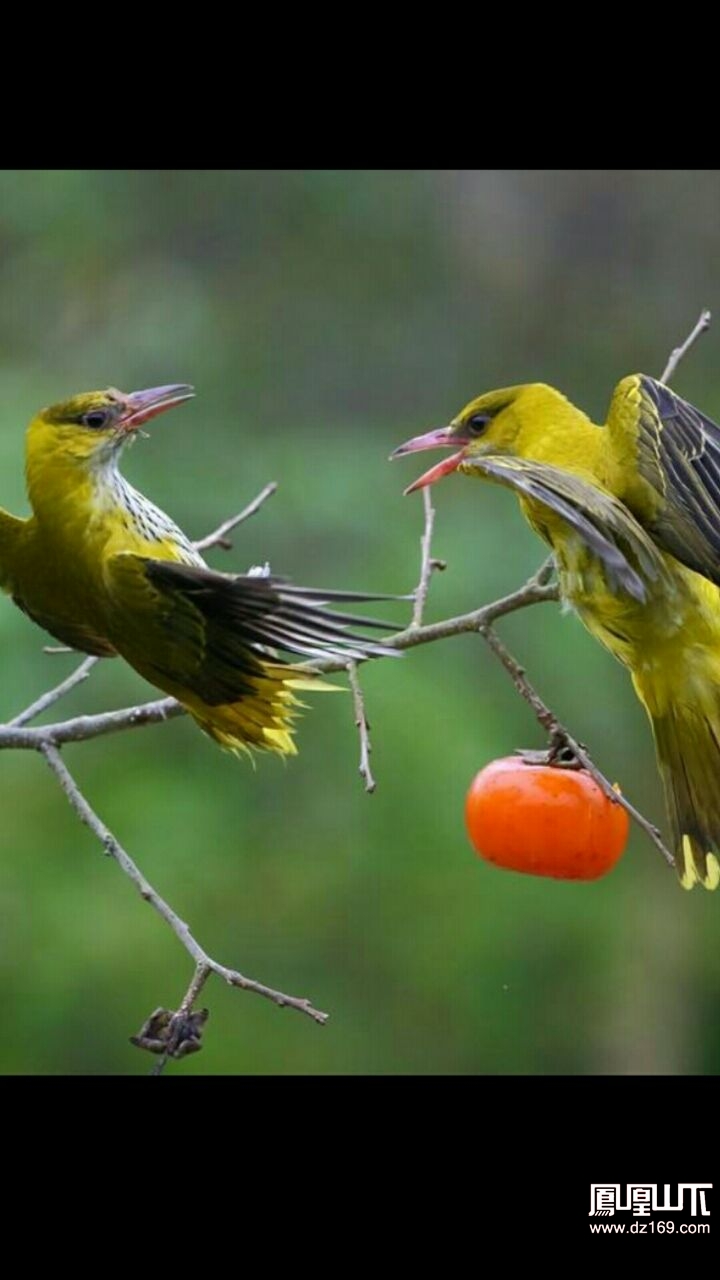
[(603, 523), (677, 453), (211, 631)]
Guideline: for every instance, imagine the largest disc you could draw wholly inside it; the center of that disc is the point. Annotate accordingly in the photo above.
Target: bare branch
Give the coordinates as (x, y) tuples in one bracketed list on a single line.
[(561, 737), (219, 537), (677, 354), (427, 563), (545, 573), (532, 592), (197, 982), (54, 695), (362, 726), (181, 930), (81, 728)]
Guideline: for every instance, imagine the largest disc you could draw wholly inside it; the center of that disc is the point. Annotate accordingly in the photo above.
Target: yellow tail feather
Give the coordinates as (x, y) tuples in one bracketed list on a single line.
[(263, 719), (691, 871), (687, 739)]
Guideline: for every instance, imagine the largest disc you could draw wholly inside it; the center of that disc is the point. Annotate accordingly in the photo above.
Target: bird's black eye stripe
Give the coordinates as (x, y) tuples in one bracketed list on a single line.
[(96, 419), (477, 424)]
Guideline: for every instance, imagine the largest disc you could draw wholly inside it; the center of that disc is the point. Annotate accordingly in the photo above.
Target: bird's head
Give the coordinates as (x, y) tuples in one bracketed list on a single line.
[(90, 428), (494, 423)]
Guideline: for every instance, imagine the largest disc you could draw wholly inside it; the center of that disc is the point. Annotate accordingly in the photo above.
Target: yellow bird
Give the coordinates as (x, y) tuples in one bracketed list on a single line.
[(105, 571), (631, 511)]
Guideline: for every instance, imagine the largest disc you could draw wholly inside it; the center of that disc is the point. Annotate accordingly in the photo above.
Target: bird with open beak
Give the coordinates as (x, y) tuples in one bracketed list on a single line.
[(631, 511), (107, 572)]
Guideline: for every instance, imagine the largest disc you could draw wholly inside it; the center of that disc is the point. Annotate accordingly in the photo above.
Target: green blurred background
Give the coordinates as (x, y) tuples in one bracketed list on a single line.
[(324, 316)]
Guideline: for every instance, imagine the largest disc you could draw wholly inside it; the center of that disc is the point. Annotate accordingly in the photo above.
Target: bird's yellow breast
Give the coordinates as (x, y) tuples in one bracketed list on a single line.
[(663, 639), (670, 641), (84, 516)]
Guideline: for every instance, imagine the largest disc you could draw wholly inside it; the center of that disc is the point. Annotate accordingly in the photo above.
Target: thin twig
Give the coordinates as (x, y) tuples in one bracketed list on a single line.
[(677, 354), (560, 736), (362, 726), (199, 978), (530, 593), (81, 728), (545, 573), (219, 537), (427, 563), (181, 930), (53, 695)]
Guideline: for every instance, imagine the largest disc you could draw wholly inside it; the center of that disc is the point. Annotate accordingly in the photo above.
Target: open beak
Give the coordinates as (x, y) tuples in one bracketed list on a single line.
[(141, 406), (444, 438)]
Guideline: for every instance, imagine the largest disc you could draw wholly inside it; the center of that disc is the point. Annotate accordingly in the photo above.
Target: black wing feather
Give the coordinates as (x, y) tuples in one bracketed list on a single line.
[(269, 611), (678, 456), (606, 527)]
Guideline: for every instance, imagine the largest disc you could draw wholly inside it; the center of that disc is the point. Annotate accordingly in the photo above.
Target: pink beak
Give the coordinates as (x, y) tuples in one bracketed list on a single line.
[(144, 405), (443, 438)]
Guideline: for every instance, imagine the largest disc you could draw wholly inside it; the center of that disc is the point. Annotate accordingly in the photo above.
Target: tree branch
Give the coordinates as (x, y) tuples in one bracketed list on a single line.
[(427, 563), (114, 849), (219, 537), (54, 695), (677, 354), (82, 728), (362, 726)]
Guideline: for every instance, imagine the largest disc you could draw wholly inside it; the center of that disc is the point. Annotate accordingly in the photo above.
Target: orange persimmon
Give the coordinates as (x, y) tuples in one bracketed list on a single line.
[(544, 820)]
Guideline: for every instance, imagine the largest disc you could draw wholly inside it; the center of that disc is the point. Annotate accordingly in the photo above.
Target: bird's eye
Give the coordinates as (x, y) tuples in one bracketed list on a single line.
[(478, 423), (96, 419)]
